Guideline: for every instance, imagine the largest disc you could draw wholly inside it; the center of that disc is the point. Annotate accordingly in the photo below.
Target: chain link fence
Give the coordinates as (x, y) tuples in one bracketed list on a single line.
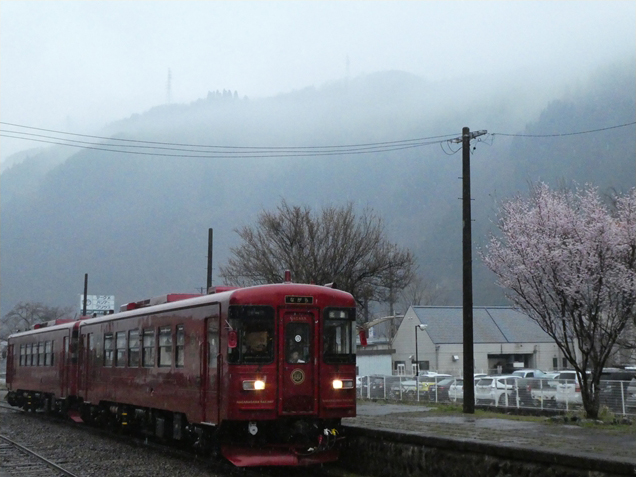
[(498, 391)]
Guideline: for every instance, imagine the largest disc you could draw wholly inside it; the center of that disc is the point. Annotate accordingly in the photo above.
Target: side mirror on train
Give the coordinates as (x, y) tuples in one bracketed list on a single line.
[(232, 339), (363, 337)]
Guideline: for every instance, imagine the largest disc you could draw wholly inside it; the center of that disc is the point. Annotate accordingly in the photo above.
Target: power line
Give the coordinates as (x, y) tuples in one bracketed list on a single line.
[(228, 154), (566, 134), (186, 150), (254, 153), (260, 148)]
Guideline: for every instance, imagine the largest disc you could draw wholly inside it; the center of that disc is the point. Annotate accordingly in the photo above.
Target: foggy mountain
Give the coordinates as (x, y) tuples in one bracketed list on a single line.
[(138, 224)]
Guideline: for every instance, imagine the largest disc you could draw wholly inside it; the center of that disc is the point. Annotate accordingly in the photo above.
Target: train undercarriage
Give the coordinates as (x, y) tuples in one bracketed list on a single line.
[(289, 441)]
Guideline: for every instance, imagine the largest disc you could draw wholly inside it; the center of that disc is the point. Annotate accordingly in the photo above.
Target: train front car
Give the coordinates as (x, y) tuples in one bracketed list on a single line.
[(290, 374)]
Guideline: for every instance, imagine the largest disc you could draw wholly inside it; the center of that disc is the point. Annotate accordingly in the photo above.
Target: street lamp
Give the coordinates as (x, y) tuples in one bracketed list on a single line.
[(420, 327)]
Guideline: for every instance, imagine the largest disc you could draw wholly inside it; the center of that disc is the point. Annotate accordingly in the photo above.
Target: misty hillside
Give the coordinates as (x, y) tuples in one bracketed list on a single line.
[(138, 224)]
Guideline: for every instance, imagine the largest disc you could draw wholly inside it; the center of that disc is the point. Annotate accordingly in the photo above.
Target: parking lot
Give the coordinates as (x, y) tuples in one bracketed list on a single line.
[(559, 391)]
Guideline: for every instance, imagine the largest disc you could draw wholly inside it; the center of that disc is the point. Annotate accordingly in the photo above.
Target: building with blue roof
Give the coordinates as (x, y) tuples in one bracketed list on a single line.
[(430, 339)]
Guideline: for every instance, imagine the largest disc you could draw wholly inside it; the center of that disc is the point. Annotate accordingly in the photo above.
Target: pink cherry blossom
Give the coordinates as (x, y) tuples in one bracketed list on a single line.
[(568, 260)]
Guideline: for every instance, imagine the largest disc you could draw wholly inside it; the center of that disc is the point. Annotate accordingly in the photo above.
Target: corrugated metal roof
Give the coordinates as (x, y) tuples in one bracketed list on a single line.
[(490, 325), (517, 327)]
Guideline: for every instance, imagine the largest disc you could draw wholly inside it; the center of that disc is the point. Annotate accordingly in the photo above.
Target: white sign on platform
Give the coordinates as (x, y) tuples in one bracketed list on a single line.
[(97, 303)]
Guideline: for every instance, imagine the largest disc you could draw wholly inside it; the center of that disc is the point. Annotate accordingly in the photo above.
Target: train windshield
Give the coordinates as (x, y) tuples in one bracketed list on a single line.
[(338, 336), (254, 326)]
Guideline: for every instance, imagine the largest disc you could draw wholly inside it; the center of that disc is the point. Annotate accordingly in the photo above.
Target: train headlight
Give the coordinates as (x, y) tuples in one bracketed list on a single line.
[(343, 383), (254, 385)]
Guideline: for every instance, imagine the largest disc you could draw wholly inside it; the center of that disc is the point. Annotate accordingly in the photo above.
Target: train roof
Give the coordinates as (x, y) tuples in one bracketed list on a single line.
[(177, 301), (46, 328)]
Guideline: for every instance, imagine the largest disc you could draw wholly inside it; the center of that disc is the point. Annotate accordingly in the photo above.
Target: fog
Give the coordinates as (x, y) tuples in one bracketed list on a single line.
[(76, 66)]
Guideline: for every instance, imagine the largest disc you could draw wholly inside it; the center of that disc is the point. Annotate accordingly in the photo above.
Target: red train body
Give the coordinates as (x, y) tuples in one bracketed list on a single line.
[(264, 374)]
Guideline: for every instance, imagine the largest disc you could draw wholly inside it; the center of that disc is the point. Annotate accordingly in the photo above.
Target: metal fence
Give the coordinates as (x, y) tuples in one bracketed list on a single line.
[(498, 391)]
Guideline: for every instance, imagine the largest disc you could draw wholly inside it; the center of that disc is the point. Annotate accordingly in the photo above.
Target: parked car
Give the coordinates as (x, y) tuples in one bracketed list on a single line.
[(440, 391), (530, 379), (568, 390), (630, 401), (376, 387), (456, 390), (543, 391), (614, 389), (497, 390), (530, 373), (409, 388)]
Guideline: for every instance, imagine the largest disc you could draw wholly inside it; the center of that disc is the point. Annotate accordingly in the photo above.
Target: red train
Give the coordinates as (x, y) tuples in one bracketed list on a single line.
[(264, 374)]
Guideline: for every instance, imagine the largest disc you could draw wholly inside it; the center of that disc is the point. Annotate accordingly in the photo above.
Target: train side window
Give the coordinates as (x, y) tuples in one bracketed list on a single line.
[(47, 354), (180, 347), (28, 354), (133, 348), (120, 357), (52, 352), (213, 342), (148, 351), (41, 353), (165, 346), (338, 342), (22, 355), (108, 349)]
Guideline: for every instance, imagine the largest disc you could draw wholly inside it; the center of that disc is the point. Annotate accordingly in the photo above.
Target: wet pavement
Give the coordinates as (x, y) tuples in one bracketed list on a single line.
[(612, 442)]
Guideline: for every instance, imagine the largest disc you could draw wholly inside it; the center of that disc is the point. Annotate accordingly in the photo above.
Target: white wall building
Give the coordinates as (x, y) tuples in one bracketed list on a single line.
[(503, 339), (375, 358)]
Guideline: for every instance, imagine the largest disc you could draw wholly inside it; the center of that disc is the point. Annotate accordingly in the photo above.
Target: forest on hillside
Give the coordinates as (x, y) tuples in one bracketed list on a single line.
[(138, 223)]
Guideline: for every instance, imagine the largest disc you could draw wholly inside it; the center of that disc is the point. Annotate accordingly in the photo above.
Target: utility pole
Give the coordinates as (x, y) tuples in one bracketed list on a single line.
[(85, 294), (210, 237), (467, 259)]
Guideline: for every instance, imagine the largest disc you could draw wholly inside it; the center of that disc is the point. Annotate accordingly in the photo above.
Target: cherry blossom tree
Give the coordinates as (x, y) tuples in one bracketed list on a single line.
[(568, 261)]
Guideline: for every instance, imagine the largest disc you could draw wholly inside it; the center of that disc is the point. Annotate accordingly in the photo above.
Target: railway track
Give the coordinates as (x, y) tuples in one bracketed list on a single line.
[(18, 460), (183, 460)]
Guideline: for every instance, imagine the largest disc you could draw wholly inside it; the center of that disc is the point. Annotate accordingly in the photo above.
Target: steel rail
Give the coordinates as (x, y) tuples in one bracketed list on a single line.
[(38, 456)]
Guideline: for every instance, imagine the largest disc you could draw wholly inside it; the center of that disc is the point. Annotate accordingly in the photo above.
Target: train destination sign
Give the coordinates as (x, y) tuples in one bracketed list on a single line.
[(299, 300)]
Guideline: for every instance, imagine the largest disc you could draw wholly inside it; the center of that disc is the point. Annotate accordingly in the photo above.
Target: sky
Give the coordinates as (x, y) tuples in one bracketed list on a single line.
[(78, 65)]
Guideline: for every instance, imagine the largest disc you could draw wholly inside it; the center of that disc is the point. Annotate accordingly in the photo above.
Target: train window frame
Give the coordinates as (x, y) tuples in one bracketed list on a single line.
[(334, 349), (48, 350), (148, 348), (41, 353), (164, 344), (179, 349), (133, 348), (120, 349), (255, 326), (108, 350), (298, 340), (22, 354), (28, 354)]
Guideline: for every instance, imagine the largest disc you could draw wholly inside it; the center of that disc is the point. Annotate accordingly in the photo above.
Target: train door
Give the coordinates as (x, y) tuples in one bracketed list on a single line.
[(63, 367), (87, 344), (10, 364), (211, 357), (297, 381)]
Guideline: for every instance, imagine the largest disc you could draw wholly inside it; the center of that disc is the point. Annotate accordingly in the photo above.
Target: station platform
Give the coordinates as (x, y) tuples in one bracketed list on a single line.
[(579, 443)]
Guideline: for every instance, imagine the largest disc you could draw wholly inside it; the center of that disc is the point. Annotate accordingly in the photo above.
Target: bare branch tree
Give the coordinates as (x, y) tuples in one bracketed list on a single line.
[(421, 292), (334, 245), (24, 315), (570, 264)]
